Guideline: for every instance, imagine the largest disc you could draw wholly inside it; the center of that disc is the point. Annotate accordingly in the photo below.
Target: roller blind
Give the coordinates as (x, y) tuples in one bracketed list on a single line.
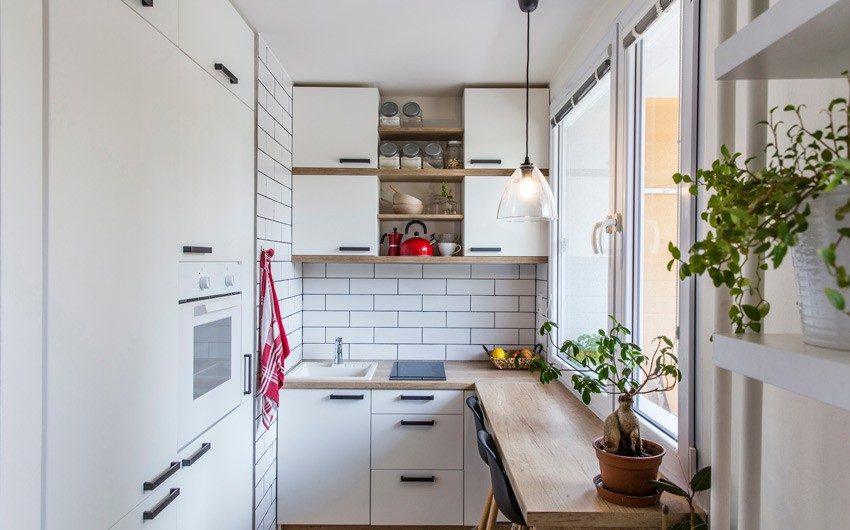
[(582, 91), (632, 35)]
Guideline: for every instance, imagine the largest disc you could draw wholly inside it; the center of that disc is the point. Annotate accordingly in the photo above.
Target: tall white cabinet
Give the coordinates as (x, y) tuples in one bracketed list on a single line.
[(131, 180)]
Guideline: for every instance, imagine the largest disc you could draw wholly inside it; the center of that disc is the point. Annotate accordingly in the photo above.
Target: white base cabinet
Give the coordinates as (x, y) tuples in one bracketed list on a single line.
[(415, 497)]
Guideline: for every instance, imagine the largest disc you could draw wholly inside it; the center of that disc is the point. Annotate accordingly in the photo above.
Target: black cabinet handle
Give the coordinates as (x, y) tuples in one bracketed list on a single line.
[(485, 249), (405, 397), (355, 249), (355, 160), (147, 3), (248, 375), (189, 249), (206, 446), (227, 73), (347, 396), (417, 423), (432, 478), (150, 485), (147, 515), (486, 161)]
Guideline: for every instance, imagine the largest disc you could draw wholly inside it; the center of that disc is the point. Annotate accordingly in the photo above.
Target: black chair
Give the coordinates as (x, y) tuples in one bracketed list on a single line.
[(478, 415), (503, 493), (489, 511)]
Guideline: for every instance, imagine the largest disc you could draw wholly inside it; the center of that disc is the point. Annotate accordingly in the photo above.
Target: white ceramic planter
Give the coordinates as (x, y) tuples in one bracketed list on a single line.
[(823, 325)]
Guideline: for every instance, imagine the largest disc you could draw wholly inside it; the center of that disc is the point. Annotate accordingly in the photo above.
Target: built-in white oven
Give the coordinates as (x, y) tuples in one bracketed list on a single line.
[(214, 371)]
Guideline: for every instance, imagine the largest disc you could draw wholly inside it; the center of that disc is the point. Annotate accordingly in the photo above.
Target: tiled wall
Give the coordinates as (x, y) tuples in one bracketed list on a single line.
[(385, 311), (274, 230)]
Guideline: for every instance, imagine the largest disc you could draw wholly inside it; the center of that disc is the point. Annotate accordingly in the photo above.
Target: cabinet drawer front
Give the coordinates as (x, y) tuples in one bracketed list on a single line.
[(395, 502), (417, 441), (213, 33), (161, 14), (417, 401)]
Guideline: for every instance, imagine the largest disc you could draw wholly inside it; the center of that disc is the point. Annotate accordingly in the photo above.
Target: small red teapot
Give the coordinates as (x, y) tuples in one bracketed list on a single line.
[(417, 246), (394, 242)]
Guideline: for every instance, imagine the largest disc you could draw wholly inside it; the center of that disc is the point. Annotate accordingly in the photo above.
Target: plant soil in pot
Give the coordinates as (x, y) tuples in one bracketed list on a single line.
[(629, 475)]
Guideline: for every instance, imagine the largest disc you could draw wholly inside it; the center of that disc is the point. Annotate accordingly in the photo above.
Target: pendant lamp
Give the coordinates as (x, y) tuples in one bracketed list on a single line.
[(527, 196)]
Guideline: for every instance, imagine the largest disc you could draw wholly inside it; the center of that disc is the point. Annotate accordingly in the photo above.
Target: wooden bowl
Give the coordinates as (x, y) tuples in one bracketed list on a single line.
[(409, 209)]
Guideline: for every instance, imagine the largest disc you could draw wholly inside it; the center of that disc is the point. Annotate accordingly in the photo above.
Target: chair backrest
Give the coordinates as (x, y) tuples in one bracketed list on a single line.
[(503, 493), (478, 416)]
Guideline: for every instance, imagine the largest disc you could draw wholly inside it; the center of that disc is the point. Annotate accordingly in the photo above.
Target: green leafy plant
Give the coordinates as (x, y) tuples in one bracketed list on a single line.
[(701, 481), (759, 213)]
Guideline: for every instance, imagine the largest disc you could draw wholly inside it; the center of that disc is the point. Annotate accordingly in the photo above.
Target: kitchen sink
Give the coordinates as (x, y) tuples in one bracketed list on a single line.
[(329, 370)]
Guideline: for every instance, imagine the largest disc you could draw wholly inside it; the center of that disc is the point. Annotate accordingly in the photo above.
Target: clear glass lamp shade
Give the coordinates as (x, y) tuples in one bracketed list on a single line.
[(527, 197)]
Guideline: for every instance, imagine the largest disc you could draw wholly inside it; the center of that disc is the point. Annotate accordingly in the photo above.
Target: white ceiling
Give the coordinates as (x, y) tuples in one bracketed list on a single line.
[(417, 47)]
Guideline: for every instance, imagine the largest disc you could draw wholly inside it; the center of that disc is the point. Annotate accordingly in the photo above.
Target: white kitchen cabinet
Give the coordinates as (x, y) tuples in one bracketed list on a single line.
[(217, 473), (494, 127), (323, 457), (485, 235), (214, 34), (416, 497), (157, 512), (111, 314), (335, 126), (334, 214), (161, 14), (408, 441), (417, 401)]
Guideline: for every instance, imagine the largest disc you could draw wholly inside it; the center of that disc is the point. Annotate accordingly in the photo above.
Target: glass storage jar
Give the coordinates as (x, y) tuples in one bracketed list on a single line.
[(388, 156), (411, 114), (389, 115), (433, 156), (454, 155), (412, 157)]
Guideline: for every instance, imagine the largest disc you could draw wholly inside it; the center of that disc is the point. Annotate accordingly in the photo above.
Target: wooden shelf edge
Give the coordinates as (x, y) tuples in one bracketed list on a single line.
[(423, 217), (420, 133), (407, 174), (442, 260)]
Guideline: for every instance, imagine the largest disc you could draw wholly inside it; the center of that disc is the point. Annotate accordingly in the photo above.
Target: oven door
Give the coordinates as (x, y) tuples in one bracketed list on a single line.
[(211, 367)]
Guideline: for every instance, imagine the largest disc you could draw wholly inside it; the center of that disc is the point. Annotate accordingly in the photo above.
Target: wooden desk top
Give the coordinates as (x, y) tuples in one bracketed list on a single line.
[(544, 434)]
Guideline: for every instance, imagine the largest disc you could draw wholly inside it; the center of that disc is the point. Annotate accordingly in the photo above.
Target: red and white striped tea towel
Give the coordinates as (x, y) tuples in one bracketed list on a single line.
[(274, 347)]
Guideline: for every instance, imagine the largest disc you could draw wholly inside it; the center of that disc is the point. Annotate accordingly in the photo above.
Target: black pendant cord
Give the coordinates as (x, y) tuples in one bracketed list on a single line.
[(527, 67)]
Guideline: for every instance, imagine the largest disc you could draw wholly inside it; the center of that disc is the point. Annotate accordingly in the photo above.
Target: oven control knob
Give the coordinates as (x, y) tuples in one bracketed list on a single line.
[(230, 280), (204, 282)]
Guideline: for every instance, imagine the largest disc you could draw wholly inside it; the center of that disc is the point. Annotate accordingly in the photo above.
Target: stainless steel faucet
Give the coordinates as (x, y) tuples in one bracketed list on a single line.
[(338, 358)]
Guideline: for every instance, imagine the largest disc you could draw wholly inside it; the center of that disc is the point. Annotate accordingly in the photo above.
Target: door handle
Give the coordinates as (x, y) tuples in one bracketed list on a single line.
[(147, 3), (189, 249), (485, 161), (355, 160), (355, 249), (347, 396), (418, 423), (151, 485), (485, 249), (595, 243), (147, 515), (206, 446), (246, 390), (227, 73), (610, 225), (431, 478), (406, 397)]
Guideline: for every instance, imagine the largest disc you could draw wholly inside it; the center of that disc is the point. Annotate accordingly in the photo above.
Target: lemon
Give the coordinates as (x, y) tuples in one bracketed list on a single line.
[(499, 353)]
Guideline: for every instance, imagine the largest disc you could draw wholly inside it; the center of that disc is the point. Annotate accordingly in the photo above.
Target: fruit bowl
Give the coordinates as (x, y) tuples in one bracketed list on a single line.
[(514, 359)]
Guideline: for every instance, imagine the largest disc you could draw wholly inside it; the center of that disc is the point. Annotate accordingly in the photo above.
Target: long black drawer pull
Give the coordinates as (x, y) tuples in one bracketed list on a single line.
[(486, 161), (347, 396), (417, 423), (188, 249), (206, 446), (485, 249), (147, 3), (227, 73), (147, 515), (355, 160), (248, 375), (432, 478), (405, 397), (355, 249), (150, 485)]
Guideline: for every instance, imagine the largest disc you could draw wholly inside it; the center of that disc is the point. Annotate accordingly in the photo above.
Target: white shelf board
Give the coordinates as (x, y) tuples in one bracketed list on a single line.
[(787, 362), (794, 39)]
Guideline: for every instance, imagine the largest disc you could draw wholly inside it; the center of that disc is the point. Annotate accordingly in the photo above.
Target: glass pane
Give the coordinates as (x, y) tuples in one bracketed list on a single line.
[(584, 200), (211, 355), (657, 199)]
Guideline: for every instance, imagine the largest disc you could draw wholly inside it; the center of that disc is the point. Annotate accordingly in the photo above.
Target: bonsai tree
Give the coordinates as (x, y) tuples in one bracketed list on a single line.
[(617, 367), (760, 212), (701, 481)]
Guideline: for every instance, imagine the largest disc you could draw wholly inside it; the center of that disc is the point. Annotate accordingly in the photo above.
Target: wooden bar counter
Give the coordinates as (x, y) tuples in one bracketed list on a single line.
[(544, 435)]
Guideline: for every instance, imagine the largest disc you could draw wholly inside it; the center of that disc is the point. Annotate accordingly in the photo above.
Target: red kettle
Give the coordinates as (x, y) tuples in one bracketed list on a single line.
[(416, 246), (394, 244)]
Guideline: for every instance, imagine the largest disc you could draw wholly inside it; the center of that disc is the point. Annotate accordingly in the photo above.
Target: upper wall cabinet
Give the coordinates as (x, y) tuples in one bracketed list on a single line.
[(162, 14), (494, 125), (215, 36), (335, 127)]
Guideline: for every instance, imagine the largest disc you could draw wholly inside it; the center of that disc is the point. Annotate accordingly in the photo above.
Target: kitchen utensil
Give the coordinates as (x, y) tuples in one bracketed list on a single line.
[(416, 246), (393, 242), (448, 249), (408, 209)]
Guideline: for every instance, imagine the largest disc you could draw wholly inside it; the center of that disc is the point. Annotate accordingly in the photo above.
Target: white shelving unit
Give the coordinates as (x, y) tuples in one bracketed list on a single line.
[(787, 362), (794, 39)]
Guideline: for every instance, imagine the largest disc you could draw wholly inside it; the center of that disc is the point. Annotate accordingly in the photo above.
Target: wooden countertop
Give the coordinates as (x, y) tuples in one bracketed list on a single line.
[(460, 375), (544, 434)]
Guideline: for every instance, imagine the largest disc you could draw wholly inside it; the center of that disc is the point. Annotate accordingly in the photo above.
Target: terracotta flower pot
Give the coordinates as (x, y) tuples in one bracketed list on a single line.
[(628, 475)]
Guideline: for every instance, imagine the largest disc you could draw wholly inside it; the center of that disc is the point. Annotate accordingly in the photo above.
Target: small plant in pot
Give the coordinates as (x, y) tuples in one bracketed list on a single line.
[(619, 367)]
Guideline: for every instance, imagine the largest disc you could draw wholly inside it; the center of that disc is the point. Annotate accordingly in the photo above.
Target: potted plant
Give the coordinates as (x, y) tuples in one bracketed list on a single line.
[(799, 201), (701, 481), (619, 367)]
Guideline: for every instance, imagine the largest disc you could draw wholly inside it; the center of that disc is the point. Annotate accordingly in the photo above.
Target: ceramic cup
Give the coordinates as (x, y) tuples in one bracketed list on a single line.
[(448, 249)]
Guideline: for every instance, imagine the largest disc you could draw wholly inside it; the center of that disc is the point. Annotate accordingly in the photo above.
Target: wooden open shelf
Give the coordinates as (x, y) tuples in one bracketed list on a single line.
[(408, 175), (421, 133), (421, 217), (422, 259)]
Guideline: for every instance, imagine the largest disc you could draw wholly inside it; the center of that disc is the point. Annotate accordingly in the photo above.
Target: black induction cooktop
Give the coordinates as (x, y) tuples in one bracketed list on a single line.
[(418, 371)]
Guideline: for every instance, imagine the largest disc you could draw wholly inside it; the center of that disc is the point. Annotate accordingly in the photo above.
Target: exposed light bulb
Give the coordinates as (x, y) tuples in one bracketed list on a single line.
[(527, 188)]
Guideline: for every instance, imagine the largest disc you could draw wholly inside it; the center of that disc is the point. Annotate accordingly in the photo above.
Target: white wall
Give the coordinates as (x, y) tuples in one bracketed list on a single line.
[(21, 263)]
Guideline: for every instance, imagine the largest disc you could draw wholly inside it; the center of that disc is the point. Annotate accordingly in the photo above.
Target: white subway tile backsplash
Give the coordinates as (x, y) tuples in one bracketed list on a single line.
[(465, 352), (386, 270), (325, 318), (526, 303), (502, 271), (445, 303), (374, 286), (446, 336), (374, 318), (528, 272), (481, 287), (419, 352), (398, 302), (432, 286), (350, 270), (515, 320), (464, 319), (495, 303), (446, 271), (529, 337), (322, 351), (313, 270), (313, 335), (350, 335), (373, 352), (422, 319), (398, 335), (325, 286), (514, 287), (360, 302), (499, 337), (313, 302)]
